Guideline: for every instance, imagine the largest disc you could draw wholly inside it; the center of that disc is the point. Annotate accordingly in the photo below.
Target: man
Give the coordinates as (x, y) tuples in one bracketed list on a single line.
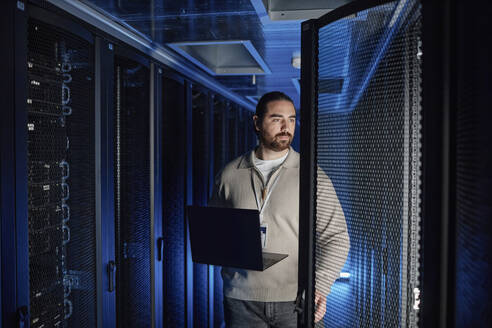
[(267, 179)]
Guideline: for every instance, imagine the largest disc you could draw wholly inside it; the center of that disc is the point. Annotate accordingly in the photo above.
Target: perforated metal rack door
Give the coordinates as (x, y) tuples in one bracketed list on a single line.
[(61, 191), (472, 159), (174, 254), (132, 194), (367, 157), (220, 160), (201, 161), (233, 130)]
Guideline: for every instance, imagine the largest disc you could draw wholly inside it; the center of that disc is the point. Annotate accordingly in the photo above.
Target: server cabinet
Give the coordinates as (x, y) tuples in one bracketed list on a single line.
[(61, 177), (55, 276), (52, 249), (202, 161), (243, 132), (133, 224), (221, 157), (251, 138), (472, 203), (445, 78), (105, 232), (361, 98), (13, 112), (221, 137), (156, 187), (173, 201), (233, 130)]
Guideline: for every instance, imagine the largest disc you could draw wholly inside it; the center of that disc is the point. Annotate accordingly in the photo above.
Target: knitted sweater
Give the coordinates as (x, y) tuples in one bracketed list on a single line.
[(234, 188)]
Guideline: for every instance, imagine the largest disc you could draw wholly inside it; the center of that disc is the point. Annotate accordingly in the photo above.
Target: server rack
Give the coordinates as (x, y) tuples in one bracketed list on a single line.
[(233, 131), (471, 226), (189, 185), (211, 181), (13, 20), (455, 214), (64, 185), (93, 144), (221, 157), (456, 76), (364, 134), (105, 228), (201, 120), (61, 174), (173, 201), (134, 239), (242, 132), (49, 186), (156, 187)]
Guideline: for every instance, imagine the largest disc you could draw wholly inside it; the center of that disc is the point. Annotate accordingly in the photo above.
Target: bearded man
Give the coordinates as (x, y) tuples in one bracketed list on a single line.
[(267, 179)]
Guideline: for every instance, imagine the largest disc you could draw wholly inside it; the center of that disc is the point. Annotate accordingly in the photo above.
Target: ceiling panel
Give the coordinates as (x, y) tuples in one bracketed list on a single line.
[(168, 22)]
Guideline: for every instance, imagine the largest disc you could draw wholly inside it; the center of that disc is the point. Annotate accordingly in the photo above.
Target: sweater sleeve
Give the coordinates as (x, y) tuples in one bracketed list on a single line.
[(332, 239)]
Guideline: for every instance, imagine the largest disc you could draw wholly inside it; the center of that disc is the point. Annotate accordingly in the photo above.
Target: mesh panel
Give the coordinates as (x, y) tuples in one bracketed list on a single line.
[(233, 131), (473, 161), (368, 148), (200, 195), (241, 143), (132, 194), (173, 204), (220, 160), (61, 208)]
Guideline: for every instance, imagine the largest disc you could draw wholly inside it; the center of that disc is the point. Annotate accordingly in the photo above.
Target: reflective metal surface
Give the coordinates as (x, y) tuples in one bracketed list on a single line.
[(166, 22)]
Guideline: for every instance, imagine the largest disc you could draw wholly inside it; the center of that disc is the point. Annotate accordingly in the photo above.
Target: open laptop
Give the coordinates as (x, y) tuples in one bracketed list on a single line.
[(228, 237)]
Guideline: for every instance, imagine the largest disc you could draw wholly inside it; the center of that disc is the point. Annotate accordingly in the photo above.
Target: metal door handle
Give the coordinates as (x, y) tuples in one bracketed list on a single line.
[(23, 317), (160, 242), (111, 275)]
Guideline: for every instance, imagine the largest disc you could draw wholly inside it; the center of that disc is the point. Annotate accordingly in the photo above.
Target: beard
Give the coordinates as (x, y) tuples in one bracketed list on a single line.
[(276, 144)]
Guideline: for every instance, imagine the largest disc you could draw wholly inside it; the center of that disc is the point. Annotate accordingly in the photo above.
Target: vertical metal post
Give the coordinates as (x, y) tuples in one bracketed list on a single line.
[(153, 244), (307, 209), (449, 54), (104, 139), (406, 187), (210, 115), (437, 307), (97, 164), (21, 195), (156, 193), (8, 277), (189, 201)]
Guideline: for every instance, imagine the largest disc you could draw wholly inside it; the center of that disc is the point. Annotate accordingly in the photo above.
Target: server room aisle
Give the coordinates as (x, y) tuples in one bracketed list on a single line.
[(109, 129), (96, 243)]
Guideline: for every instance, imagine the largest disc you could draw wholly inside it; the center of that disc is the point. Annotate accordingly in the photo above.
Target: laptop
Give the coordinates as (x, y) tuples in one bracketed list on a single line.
[(228, 237)]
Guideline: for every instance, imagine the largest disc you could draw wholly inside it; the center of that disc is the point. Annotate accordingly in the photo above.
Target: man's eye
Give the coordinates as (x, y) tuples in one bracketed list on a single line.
[(276, 119)]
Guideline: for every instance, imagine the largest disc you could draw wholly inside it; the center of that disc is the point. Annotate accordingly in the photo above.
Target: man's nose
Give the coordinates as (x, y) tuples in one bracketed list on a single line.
[(283, 127)]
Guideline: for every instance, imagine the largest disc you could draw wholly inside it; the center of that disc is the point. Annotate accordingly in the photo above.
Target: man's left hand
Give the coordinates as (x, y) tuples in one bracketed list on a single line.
[(319, 305)]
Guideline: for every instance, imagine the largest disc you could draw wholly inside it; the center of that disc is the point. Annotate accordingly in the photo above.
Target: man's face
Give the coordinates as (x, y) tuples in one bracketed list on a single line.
[(278, 126)]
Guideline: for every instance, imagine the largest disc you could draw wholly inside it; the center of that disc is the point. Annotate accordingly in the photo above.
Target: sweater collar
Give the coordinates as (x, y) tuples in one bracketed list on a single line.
[(292, 160)]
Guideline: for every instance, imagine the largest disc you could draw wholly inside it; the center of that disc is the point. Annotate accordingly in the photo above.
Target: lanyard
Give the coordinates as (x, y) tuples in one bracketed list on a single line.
[(264, 197)]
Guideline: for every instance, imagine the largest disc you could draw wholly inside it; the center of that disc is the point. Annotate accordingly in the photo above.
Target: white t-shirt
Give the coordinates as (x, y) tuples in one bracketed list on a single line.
[(266, 167)]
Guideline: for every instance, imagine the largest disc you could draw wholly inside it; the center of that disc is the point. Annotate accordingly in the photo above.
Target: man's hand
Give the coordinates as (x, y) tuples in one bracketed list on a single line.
[(319, 305)]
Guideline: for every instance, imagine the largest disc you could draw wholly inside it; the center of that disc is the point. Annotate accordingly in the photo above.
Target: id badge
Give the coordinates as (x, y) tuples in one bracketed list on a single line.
[(264, 234)]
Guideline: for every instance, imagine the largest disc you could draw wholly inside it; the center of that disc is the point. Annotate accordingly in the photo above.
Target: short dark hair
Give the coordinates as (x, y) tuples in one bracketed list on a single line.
[(261, 107)]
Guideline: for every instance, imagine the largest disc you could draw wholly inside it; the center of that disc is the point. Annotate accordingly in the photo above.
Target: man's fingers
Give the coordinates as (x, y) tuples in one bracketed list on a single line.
[(320, 303), (319, 314)]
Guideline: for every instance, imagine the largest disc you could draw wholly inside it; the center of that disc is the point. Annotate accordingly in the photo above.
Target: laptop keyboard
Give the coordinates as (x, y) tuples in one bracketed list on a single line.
[(268, 262)]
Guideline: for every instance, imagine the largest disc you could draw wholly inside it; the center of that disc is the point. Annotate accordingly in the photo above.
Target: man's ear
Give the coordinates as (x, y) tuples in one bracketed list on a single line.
[(255, 123)]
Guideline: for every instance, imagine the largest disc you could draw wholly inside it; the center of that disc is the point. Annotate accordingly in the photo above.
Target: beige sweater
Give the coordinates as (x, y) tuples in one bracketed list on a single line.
[(233, 188)]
